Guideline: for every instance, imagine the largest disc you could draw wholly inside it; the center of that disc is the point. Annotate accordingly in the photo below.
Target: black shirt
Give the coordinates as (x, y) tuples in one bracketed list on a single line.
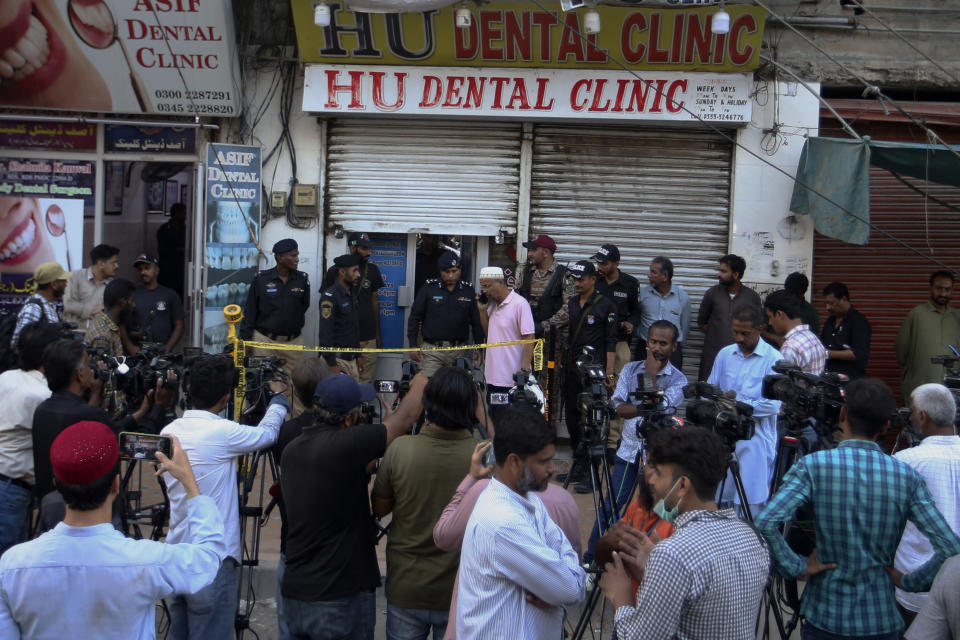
[(853, 333), (289, 431), (63, 409), (171, 247), (597, 322), (331, 537), (371, 281), (339, 320), (444, 315), (624, 293), (274, 306), (157, 310)]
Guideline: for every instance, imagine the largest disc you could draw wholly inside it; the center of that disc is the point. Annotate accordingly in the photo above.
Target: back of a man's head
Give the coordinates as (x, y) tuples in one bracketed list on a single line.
[(33, 339), (521, 430), (211, 378), (783, 300), (61, 359), (937, 402), (116, 291), (797, 284), (450, 399), (85, 459), (870, 405), (698, 454), (306, 376)]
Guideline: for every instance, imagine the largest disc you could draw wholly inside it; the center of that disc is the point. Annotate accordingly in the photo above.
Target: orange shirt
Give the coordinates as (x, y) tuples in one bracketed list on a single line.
[(639, 518)]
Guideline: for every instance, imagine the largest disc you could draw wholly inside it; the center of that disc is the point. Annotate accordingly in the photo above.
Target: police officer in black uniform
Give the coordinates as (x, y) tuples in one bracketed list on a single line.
[(276, 305), (593, 322), (368, 302), (444, 313), (339, 316), (623, 290)]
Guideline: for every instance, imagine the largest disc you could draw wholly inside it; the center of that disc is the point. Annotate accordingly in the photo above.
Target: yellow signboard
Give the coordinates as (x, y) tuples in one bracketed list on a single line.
[(521, 34)]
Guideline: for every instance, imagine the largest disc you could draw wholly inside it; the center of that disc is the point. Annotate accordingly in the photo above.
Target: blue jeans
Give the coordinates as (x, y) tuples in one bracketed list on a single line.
[(415, 624), (349, 618), (810, 632), (210, 613), (624, 475), (14, 509), (283, 632)]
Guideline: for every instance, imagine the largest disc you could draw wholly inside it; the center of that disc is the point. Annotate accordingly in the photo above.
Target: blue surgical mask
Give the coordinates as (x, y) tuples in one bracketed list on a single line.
[(667, 515)]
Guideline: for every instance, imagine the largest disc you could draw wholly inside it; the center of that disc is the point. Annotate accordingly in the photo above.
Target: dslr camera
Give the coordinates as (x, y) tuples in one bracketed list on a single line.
[(711, 407)]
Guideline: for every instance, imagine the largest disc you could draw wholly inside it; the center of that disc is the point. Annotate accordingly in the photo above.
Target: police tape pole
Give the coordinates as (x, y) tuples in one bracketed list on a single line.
[(233, 314)]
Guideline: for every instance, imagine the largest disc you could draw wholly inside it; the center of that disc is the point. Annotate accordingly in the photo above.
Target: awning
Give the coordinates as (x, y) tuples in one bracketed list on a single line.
[(839, 169)]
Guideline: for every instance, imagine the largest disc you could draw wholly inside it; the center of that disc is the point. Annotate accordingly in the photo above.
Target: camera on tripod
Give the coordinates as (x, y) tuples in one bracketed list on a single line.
[(653, 414), (595, 410), (135, 375), (808, 400), (714, 409), (526, 390), (260, 372), (951, 375)]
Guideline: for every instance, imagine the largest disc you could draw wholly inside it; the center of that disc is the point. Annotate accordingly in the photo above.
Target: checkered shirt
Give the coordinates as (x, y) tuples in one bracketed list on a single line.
[(862, 500), (804, 348), (704, 581), (30, 312)]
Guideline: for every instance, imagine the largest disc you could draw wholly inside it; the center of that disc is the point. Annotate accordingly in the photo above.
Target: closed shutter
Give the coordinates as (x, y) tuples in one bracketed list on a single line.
[(885, 279), (433, 177), (650, 191)]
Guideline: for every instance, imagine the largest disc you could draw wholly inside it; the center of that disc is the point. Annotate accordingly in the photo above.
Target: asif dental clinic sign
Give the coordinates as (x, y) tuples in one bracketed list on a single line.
[(527, 93), (521, 34)]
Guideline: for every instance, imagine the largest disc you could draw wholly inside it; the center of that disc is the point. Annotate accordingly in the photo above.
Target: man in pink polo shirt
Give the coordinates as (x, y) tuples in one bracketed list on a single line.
[(506, 316)]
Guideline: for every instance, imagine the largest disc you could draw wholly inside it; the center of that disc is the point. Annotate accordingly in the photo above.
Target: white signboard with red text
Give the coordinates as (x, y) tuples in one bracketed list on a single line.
[(528, 93), (119, 56)]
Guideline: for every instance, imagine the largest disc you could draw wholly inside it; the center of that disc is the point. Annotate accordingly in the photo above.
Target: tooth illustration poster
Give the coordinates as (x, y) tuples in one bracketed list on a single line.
[(232, 230), (120, 56)]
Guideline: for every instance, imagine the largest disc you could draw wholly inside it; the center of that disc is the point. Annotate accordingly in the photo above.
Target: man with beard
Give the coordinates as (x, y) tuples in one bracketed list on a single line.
[(655, 373), (716, 309), (368, 302), (517, 568), (118, 307), (51, 281), (926, 332), (545, 285), (159, 312), (340, 318)]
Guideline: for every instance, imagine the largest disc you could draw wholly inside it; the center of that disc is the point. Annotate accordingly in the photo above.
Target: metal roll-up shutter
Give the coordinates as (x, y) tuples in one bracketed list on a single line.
[(885, 279), (650, 191), (434, 177)]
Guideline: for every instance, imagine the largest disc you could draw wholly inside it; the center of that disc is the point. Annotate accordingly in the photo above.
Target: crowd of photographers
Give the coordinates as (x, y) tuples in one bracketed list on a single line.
[(690, 519)]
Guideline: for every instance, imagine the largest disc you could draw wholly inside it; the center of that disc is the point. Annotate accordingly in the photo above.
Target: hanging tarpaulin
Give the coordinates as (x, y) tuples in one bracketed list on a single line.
[(840, 171), (833, 179)]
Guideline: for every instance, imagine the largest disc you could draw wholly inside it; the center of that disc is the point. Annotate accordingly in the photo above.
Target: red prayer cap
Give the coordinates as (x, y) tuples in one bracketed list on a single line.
[(84, 452)]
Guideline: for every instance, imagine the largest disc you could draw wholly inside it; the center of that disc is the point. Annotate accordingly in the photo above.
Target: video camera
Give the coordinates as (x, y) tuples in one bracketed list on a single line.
[(715, 409), (526, 390), (951, 375), (135, 375), (593, 402), (260, 371), (808, 400), (653, 414)]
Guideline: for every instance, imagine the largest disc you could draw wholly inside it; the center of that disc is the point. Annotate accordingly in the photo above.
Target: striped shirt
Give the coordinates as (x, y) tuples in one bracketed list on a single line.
[(802, 347), (670, 380), (511, 548), (862, 499), (704, 581)]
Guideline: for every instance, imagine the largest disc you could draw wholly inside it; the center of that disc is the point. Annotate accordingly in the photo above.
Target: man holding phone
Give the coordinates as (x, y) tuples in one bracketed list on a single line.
[(213, 444), (113, 581)]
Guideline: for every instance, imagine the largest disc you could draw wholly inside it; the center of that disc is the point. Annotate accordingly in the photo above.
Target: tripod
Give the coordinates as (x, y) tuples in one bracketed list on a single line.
[(252, 465)]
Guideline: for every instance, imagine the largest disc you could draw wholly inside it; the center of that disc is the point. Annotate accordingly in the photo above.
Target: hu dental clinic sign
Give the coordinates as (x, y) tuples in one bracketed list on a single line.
[(119, 56), (533, 94)]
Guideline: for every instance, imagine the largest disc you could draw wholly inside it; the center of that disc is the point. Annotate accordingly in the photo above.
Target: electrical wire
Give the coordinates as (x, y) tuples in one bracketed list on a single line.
[(870, 90), (733, 140), (870, 13)]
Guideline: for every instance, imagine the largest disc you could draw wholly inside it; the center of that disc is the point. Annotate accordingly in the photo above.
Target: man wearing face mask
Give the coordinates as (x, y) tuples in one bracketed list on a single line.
[(707, 579), (517, 568)]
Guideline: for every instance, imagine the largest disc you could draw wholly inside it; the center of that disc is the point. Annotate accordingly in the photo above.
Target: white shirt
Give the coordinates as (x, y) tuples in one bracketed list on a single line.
[(22, 391), (213, 443), (511, 547), (937, 459), (92, 582)]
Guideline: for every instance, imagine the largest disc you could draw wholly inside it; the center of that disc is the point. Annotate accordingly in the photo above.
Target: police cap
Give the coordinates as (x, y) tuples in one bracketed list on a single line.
[(285, 245), (448, 260), (582, 268), (347, 260)]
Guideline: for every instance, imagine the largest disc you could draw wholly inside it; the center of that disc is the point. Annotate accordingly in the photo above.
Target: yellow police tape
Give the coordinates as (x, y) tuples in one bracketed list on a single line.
[(233, 314)]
